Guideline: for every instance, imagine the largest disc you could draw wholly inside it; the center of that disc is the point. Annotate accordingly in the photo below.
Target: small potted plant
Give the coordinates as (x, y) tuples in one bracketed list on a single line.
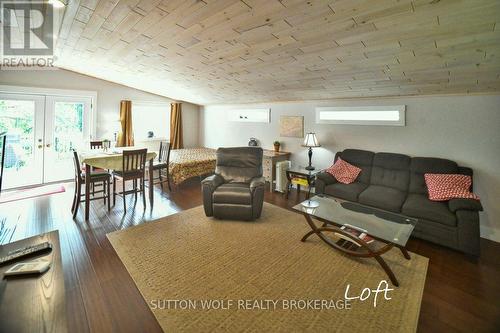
[(277, 145)]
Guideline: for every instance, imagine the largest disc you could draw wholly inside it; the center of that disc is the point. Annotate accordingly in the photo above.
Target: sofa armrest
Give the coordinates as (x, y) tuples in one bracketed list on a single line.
[(257, 182), (465, 171), (208, 186), (468, 234), (327, 178), (212, 182), (257, 188), (464, 204), (323, 179)]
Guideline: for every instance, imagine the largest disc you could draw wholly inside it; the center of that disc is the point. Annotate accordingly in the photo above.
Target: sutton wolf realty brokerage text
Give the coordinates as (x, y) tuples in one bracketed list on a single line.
[(249, 304)]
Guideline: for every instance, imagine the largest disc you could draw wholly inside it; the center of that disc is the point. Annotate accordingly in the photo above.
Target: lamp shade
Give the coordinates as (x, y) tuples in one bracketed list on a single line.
[(311, 140)]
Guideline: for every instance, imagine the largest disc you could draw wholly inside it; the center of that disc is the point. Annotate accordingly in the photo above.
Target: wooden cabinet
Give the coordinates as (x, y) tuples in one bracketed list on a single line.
[(267, 166)]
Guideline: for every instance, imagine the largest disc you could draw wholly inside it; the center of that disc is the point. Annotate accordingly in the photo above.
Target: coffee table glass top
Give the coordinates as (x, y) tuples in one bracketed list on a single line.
[(386, 226)]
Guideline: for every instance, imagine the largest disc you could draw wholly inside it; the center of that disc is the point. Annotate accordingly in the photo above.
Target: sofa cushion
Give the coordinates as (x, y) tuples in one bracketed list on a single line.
[(422, 165), (343, 171), (362, 159), (443, 187), (346, 191), (419, 206), (391, 170), (383, 197), (233, 193)]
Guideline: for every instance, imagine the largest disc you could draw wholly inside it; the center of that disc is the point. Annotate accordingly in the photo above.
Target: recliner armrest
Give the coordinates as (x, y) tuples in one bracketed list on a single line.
[(213, 181), (208, 186), (257, 188), (464, 204), (326, 178), (256, 182)]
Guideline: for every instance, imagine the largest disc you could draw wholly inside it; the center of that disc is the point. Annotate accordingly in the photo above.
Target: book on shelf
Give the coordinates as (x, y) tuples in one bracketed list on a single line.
[(361, 234), (300, 181)]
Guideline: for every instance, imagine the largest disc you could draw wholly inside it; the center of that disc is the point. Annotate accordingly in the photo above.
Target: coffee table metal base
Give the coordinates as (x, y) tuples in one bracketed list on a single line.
[(364, 251)]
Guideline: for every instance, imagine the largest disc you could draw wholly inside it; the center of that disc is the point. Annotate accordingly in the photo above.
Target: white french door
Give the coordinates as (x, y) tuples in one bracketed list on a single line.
[(66, 128), (22, 117), (42, 131)]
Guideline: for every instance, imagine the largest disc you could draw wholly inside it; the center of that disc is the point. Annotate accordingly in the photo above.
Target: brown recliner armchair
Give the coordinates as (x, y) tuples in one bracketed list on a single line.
[(236, 190)]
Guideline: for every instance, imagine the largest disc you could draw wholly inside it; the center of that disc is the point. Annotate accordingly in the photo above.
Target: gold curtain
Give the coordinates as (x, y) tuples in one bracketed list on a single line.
[(126, 135), (176, 125)]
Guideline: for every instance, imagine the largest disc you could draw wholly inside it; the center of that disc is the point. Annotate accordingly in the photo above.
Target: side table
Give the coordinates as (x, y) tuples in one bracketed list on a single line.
[(300, 173)]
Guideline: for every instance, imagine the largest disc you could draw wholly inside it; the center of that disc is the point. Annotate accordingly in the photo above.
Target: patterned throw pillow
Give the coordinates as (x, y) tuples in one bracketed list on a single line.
[(344, 172), (443, 187)]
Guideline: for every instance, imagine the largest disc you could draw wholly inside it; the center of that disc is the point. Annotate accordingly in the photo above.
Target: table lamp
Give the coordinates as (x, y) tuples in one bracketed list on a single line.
[(310, 141)]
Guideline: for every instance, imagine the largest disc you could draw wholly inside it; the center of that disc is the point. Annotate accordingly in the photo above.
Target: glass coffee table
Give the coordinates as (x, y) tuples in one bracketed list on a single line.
[(357, 230)]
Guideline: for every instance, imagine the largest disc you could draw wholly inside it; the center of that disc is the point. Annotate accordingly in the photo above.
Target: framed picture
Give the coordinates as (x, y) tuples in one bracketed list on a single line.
[(292, 126)]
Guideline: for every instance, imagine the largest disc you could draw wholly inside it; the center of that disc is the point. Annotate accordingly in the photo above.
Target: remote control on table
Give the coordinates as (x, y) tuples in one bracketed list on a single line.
[(16, 254), (37, 266)]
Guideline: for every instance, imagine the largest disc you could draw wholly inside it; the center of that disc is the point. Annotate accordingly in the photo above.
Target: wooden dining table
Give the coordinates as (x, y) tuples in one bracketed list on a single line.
[(110, 160)]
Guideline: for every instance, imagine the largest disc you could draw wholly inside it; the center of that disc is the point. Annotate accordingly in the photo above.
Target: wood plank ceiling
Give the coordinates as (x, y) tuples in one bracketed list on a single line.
[(238, 51)]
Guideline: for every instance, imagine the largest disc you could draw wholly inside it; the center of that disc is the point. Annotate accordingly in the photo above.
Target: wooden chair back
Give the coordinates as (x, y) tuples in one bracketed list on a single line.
[(78, 168), (164, 154), (96, 145), (134, 160), (3, 143)]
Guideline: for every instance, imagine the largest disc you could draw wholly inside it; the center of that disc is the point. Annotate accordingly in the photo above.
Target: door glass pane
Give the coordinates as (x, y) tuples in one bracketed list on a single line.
[(17, 118), (68, 135)]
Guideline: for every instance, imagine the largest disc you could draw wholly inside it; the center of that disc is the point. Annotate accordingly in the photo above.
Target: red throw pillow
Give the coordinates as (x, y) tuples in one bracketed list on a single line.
[(344, 172), (443, 187)]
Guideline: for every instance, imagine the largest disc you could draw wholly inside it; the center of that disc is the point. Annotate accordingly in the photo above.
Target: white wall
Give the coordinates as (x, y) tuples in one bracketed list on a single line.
[(465, 129), (190, 124), (109, 96)]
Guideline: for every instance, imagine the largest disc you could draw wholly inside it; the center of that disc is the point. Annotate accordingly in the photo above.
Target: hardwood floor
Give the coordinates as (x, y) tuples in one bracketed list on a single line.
[(460, 295)]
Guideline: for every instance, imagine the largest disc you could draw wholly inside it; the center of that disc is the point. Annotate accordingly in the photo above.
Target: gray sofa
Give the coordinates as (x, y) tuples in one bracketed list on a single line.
[(236, 190), (395, 182)]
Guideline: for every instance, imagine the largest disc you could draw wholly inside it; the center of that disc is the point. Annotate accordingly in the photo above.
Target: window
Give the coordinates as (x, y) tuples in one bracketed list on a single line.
[(362, 115), (250, 115), (150, 117)]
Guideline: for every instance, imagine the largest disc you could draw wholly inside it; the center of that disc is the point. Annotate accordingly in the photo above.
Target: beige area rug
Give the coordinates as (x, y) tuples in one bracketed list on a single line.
[(185, 263)]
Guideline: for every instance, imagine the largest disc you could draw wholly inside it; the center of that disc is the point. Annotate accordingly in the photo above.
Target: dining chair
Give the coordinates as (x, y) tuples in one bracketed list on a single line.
[(3, 139), (98, 144), (133, 168), (101, 177), (162, 164)]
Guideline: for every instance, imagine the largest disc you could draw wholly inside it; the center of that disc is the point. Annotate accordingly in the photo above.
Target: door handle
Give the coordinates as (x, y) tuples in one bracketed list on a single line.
[(47, 145), (40, 146)]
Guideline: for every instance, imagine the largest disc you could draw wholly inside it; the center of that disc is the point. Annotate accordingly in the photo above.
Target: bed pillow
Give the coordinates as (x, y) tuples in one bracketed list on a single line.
[(344, 172), (444, 187)]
